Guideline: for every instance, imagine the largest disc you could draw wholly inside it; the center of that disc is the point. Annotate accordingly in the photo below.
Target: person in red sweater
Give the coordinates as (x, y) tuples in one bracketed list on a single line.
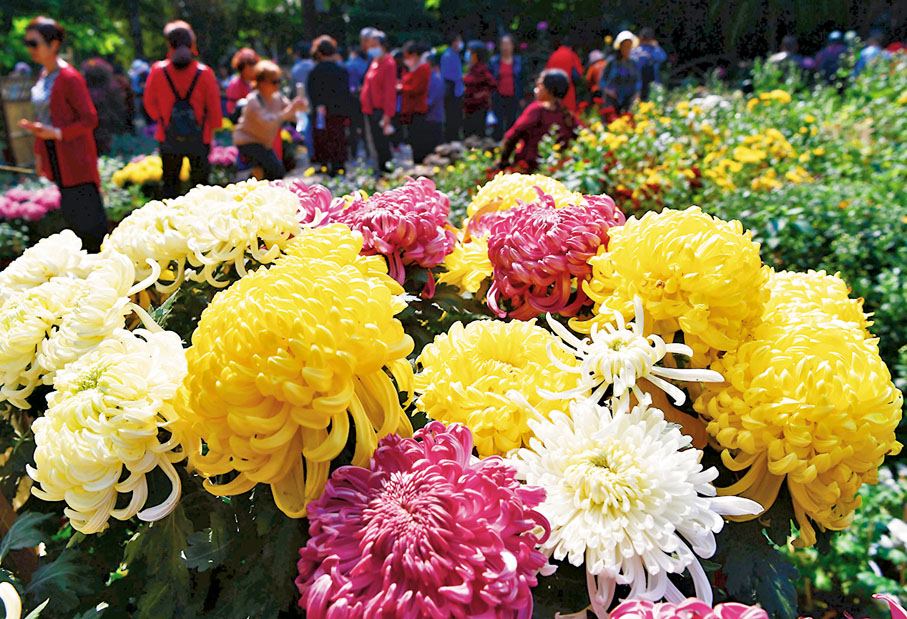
[(479, 84), (183, 130), (240, 85), (64, 138), (414, 99), (547, 111), (565, 59), (379, 100)]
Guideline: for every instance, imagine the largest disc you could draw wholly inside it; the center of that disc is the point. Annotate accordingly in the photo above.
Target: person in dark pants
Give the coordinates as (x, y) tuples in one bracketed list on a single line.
[(414, 99), (507, 69), (64, 140), (479, 85), (183, 97), (452, 73), (329, 94), (434, 119), (379, 100)]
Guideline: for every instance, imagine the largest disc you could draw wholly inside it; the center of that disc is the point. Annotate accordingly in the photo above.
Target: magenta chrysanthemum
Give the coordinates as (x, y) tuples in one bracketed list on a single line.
[(427, 531), (408, 225), (316, 204), (691, 608), (540, 254)]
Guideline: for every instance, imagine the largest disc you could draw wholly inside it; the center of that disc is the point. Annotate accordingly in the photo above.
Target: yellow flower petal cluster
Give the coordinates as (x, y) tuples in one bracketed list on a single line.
[(100, 434), (503, 191), (207, 229), (291, 359), (469, 372), (60, 254), (815, 294), (146, 170), (694, 273), (808, 402), (467, 266)]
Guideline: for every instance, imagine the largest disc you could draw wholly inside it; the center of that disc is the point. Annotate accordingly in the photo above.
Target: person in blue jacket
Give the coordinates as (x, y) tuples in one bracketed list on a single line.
[(452, 74), (508, 71), (648, 57), (434, 119)]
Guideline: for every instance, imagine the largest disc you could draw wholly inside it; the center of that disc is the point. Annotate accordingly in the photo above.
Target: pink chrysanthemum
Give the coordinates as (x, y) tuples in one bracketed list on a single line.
[(316, 204), (223, 156), (30, 205), (427, 531), (691, 608), (408, 225), (540, 254)]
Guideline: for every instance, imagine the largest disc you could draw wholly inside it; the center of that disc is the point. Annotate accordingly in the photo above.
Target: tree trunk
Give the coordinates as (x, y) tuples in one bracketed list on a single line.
[(135, 27), (309, 19)]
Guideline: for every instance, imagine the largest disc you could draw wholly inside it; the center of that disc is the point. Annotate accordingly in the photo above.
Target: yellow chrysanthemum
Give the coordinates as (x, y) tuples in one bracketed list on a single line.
[(468, 373), (103, 419), (285, 360), (795, 295), (810, 403), (503, 191), (694, 273), (467, 266)]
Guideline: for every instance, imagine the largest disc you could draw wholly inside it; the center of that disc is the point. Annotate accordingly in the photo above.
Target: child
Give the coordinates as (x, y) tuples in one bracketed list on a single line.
[(538, 118)]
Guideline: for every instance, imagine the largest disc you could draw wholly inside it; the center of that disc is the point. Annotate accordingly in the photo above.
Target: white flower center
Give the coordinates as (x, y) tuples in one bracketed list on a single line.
[(608, 477)]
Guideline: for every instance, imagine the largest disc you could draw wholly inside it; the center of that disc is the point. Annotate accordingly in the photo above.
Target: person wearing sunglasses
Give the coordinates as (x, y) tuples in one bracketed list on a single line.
[(183, 98), (64, 140), (263, 113)]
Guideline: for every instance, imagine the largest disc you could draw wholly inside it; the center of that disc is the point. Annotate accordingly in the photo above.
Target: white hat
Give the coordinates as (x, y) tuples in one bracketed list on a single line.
[(625, 35), (595, 55)]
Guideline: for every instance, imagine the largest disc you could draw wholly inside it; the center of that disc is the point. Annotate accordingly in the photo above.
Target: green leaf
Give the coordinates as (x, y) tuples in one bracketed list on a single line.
[(25, 532), (63, 581), (208, 548)]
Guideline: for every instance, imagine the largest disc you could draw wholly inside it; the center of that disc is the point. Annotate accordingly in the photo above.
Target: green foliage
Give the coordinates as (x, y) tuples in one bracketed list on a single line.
[(25, 532)]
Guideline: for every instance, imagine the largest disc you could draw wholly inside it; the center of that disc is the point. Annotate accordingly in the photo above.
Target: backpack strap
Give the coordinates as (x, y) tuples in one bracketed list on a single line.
[(194, 82), (191, 86)]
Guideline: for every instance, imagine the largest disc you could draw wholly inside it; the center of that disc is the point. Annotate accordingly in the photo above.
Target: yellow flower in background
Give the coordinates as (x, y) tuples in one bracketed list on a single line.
[(744, 154), (184, 170), (809, 118), (467, 266), (694, 273), (469, 375), (751, 104), (100, 434), (285, 136), (810, 403), (504, 190), (794, 295), (818, 152), (780, 95), (227, 124), (289, 360)]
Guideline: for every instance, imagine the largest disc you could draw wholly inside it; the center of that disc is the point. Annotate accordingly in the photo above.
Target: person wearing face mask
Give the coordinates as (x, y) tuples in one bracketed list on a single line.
[(379, 100), (414, 99), (64, 141), (452, 72)]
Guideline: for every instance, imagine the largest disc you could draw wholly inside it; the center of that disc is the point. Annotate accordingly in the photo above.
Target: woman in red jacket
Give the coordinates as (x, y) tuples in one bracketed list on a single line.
[(182, 96), (379, 100), (478, 86), (414, 99), (64, 139)]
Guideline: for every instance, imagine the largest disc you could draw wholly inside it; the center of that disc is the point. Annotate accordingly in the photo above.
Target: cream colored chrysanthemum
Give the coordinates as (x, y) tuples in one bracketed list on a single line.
[(617, 356), (26, 318), (505, 191), (627, 496), (57, 255), (794, 295), (100, 434), (694, 273)]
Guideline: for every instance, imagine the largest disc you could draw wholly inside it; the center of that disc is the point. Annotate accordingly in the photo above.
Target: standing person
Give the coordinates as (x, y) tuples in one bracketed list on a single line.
[(507, 69), (329, 94), (547, 111), (108, 102), (414, 99), (620, 82), (356, 66), (648, 57), (265, 110), (124, 87), (829, 57), (434, 119), (452, 73), (597, 64), (299, 72), (64, 144), (182, 96), (379, 101), (874, 47), (396, 137), (240, 85), (565, 59), (479, 84)]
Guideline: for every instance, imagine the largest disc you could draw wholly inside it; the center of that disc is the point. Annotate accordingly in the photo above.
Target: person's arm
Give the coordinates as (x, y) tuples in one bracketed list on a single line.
[(232, 95), (214, 117), (79, 100), (659, 55), (451, 69), (149, 97), (517, 132), (389, 94)]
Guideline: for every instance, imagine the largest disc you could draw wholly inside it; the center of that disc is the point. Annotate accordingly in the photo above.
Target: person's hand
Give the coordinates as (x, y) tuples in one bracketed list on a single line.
[(40, 130), (399, 86), (299, 103), (610, 92), (385, 121), (322, 109)]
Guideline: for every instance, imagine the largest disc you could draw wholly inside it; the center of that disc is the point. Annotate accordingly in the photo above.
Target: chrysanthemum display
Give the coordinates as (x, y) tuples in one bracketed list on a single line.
[(627, 496), (467, 266), (60, 254), (794, 295), (690, 608), (467, 376), (506, 191), (540, 254), (694, 273), (808, 402), (287, 360), (427, 530), (30, 205), (617, 356), (316, 205), (408, 225), (100, 434)]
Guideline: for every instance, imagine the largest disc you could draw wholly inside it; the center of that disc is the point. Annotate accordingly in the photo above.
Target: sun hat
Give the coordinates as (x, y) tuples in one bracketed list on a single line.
[(595, 55), (625, 35)]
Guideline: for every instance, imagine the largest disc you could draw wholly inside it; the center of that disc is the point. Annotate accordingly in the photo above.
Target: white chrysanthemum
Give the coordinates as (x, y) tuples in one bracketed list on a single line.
[(628, 495), (12, 603), (619, 355), (57, 255), (26, 318), (106, 413), (98, 309)]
